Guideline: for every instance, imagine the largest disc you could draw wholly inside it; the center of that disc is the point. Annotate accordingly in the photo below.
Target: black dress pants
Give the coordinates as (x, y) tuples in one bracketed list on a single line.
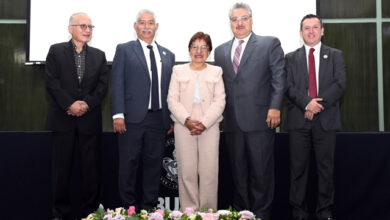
[(251, 156), (88, 145), (312, 137), (142, 145)]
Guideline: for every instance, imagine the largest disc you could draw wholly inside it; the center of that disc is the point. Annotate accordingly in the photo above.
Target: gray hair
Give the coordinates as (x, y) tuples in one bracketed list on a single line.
[(74, 15), (143, 11), (240, 5)]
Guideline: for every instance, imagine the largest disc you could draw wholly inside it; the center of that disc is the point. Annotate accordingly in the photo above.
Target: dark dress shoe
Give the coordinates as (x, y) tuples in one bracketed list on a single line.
[(329, 218)]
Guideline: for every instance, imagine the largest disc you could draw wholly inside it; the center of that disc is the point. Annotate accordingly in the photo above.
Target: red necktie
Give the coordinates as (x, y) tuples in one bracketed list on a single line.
[(312, 75)]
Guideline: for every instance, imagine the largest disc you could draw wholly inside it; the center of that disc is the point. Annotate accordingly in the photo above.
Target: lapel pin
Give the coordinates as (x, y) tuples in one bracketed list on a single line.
[(325, 56), (164, 53)]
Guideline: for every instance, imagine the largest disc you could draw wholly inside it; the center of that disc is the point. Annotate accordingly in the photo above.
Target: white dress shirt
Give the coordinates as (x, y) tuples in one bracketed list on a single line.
[(243, 45)]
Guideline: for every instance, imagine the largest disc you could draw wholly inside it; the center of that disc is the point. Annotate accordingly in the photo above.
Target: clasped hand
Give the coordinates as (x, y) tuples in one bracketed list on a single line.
[(78, 108), (196, 127), (313, 108)]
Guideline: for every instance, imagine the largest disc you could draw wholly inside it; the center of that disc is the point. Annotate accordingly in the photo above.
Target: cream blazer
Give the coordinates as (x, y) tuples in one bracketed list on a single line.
[(181, 94)]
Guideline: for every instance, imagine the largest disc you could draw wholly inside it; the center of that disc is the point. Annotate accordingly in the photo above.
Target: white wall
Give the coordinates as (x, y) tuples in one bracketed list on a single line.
[(178, 20)]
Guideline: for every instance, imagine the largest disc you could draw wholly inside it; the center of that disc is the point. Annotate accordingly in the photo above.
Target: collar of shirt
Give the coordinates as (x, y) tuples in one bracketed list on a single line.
[(147, 55), (144, 44), (75, 48), (235, 44), (317, 49), (156, 54)]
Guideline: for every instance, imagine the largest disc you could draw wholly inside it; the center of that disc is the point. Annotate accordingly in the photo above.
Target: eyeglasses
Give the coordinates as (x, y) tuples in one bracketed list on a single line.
[(84, 26), (237, 19), (202, 47), (144, 22)]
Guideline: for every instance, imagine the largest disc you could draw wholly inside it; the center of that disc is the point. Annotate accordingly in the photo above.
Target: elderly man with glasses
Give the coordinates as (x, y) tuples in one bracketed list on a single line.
[(254, 82), (76, 79)]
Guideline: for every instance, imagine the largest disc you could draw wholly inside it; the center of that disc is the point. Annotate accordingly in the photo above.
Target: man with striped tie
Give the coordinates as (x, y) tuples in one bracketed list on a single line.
[(254, 82)]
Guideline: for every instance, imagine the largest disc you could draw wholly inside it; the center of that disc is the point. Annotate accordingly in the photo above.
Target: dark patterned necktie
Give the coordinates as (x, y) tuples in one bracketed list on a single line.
[(155, 101)]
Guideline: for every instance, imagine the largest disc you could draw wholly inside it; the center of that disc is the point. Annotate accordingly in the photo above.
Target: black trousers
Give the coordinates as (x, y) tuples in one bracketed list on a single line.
[(312, 137), (142, 145), (88, 145), (251, 156)]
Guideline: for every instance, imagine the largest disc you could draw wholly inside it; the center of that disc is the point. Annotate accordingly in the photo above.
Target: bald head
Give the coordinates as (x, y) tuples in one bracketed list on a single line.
[(77, 14)]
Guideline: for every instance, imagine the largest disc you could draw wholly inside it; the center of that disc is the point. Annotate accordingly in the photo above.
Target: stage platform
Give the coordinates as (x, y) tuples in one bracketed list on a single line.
[(362, 176)]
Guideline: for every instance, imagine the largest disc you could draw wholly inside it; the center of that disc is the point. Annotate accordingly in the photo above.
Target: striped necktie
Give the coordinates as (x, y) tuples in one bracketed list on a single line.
[(237, 54)]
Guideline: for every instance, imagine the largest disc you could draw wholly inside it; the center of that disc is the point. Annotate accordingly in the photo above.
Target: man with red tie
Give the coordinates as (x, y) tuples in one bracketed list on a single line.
[(315, 83)]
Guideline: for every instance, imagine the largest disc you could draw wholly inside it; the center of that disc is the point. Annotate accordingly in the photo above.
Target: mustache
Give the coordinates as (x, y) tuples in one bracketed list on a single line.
[(147, 30)]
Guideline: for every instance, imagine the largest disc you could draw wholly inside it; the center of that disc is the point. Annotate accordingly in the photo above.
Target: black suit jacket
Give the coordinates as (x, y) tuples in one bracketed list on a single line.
[(64, 88), (331, 87)]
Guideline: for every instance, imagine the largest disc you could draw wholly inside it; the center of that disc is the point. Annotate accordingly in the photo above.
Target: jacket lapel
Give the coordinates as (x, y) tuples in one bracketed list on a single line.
[(228, 60), (248, 51), (302, 62), (88, 60), (323, 62), (164, 60), (70, 59), (141, 56)]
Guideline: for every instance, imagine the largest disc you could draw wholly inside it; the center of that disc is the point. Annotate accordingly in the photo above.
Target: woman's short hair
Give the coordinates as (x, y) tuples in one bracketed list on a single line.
[(201, 36)]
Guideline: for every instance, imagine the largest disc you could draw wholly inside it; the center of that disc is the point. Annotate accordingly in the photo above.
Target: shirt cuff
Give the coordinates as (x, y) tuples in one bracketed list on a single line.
[(119, 115)]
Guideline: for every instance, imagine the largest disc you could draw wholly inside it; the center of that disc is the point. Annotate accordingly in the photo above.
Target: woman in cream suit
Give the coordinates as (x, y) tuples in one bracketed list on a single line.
[(196, 99)]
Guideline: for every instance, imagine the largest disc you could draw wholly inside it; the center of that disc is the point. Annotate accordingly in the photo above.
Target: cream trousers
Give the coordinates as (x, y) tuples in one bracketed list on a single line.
[(197, 158)]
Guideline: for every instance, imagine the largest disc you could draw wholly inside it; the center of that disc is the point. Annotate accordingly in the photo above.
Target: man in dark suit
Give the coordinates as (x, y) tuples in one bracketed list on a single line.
[(316, 81), (254, 83), (141, 73), (76, 79)]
